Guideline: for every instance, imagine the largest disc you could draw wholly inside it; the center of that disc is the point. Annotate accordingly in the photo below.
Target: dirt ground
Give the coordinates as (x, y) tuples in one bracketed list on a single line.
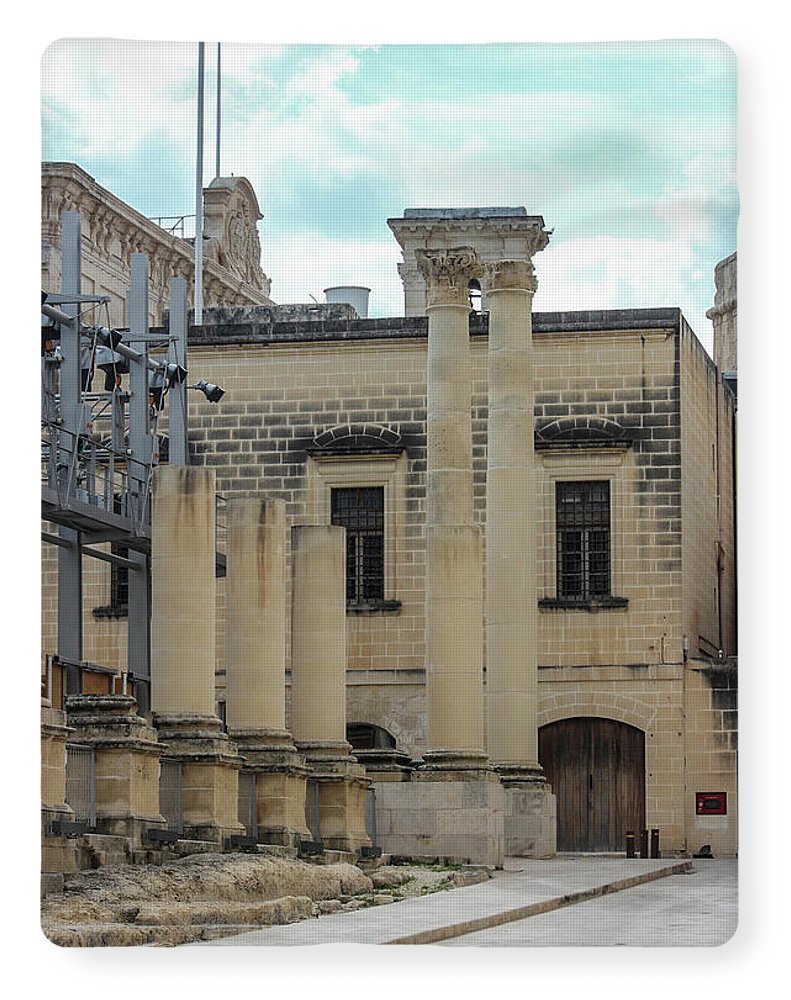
[(204, 896)]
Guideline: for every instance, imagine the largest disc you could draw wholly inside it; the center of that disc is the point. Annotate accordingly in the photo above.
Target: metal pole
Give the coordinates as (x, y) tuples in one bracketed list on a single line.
[(199, 197), (217, 144), (178, 450), (138, 631), (655, 844), (139, 417), (69, 556)]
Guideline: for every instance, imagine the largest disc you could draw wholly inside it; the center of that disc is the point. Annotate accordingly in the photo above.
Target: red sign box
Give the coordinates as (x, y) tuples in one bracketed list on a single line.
[(710, 804)]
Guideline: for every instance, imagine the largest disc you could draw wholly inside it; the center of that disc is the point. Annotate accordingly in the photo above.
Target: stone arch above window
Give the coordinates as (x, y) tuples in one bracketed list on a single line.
[(367, 437), (582, 431)]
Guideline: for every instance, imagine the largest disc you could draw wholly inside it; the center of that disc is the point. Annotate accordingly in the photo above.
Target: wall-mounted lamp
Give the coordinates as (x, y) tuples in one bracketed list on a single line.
[(211, 391)]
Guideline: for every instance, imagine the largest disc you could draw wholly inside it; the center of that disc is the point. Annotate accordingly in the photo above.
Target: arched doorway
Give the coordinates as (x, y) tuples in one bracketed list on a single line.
[(597, 771)]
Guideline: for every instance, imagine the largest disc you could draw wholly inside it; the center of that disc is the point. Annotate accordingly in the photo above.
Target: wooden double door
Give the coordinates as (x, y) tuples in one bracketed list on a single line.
[(597, 771)]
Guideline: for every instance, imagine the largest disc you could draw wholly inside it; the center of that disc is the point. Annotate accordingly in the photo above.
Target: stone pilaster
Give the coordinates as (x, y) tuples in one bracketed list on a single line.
[(454, 608), (126, 763), (318, 683), (55, 734), (255, 667), (511, 530), (183, 651)]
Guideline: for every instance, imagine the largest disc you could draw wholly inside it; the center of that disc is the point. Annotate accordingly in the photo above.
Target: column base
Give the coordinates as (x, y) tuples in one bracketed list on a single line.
[(530, 819), (126, 754), (280, 779), (210, 775), (443, 813), (385, 765), (342, 787), (455, 765)]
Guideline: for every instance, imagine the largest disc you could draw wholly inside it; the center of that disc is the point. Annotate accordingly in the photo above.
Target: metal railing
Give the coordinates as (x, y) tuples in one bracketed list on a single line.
[(98, 473), (81, 782), (176, 225)]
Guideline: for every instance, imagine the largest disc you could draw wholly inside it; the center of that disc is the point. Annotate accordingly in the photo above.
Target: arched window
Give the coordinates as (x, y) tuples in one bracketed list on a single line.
[(366, 736)]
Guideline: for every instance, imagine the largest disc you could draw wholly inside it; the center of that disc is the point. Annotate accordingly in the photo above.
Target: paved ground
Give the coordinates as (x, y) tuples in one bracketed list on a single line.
[(675, 909), (694, 910)]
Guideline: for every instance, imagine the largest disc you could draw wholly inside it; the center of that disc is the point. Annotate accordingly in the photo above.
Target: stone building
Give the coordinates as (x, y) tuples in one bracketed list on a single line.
[(633, 507), (112, 230)]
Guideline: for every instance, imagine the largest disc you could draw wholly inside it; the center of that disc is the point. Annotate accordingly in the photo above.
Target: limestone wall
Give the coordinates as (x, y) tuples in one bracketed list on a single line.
[(707, 503), (631, 404), (261, 440)]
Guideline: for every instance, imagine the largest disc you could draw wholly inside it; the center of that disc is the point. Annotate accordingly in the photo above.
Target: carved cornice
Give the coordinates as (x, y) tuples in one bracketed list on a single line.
[(448, 274), (503, 275), (510, 224)]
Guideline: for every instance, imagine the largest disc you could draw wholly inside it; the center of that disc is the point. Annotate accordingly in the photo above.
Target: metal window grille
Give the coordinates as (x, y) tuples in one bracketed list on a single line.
[(119, 578), (247, 803), (583, 539), (361, 511), (171, 783), (312, 809), (370, 816), (119, 575), (81, 782)]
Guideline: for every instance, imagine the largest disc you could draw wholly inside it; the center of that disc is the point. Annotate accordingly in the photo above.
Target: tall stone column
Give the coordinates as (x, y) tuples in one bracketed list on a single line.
[(511, 526), (454, 804), (318, 683), (256, 667), (183, 652), (454, 596)]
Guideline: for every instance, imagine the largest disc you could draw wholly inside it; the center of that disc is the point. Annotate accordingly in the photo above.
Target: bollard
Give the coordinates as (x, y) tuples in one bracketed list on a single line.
[(644, 843), (630, 844), (655, 844)]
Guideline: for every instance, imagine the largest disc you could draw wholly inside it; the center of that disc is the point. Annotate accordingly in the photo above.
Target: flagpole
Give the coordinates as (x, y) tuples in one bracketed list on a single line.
[(217, 144), (198, 304)]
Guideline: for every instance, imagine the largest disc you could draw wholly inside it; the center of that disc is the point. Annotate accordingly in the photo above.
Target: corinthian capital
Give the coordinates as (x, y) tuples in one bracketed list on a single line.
[(509, 274), (448, 274)]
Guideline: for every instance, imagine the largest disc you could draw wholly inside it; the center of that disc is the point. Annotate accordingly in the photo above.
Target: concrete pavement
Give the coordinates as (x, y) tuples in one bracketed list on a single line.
[(693, 910), (524, 889)]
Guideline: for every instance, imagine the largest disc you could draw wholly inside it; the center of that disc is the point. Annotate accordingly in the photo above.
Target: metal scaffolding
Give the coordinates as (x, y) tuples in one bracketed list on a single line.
[(99, 449)]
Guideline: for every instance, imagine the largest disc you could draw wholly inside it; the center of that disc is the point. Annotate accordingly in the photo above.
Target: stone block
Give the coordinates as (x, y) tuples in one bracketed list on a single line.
[(439, 823), (530, 821)]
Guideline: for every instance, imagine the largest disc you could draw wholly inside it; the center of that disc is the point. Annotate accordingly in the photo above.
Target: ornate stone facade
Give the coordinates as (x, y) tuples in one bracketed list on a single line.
[(113, 230)]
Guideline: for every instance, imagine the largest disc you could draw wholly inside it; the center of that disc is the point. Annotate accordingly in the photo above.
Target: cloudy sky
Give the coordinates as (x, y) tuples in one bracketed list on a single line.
[(627, 149)]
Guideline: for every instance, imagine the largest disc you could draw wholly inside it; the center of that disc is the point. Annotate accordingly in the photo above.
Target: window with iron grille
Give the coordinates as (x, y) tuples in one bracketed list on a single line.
[(119, 575), (119, 579), (583, 539), (361, 511)]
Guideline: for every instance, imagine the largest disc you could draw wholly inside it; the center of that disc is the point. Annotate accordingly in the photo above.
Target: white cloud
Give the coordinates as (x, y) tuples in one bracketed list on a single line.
[(303, 265), (610, 273)]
